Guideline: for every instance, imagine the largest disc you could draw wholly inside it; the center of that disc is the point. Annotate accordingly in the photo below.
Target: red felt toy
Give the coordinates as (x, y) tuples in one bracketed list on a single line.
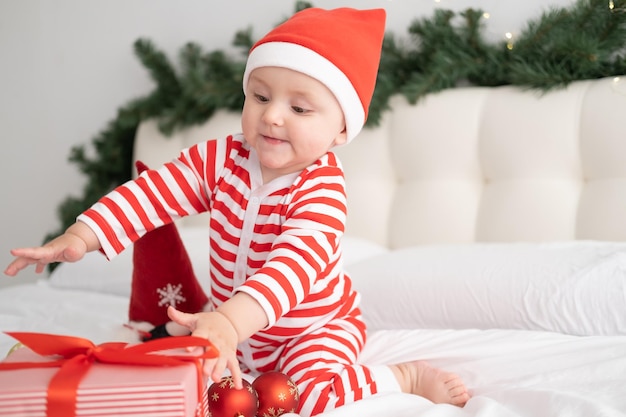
[(162, 276)]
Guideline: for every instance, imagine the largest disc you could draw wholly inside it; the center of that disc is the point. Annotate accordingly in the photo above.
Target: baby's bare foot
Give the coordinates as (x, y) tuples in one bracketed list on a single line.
[(438, 386)]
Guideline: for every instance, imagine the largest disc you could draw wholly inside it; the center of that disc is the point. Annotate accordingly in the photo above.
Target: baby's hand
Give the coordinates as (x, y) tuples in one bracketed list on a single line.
[(218, 330), (65, 248), (69, 247)]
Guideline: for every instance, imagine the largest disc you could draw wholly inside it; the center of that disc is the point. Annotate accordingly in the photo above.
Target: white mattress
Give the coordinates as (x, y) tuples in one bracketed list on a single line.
[(510, 372)]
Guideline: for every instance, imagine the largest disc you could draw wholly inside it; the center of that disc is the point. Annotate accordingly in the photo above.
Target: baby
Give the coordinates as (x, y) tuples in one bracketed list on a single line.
[(280, 299)]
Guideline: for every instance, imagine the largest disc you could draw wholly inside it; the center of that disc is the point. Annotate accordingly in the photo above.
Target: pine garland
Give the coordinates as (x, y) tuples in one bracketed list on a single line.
[(584, 41)]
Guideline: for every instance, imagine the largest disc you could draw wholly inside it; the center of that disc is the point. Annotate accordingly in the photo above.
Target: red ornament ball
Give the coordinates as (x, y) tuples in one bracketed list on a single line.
[(226, 401), (277, 393)]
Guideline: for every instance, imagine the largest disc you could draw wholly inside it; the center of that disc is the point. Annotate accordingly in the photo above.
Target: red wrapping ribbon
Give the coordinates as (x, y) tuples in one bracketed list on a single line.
[(77, 355)]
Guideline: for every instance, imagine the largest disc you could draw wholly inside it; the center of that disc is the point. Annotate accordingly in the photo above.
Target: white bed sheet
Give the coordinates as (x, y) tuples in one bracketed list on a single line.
[(510, 372), (40, 307)]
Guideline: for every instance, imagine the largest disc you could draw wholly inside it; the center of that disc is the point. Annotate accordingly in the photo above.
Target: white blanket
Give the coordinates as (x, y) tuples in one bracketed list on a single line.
[(516, 373)]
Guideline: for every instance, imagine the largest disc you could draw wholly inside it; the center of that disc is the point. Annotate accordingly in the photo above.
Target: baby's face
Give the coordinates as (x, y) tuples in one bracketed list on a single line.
[(290, 119)]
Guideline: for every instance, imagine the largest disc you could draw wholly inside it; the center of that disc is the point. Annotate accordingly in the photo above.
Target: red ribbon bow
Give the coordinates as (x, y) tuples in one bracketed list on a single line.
[(77, 355)]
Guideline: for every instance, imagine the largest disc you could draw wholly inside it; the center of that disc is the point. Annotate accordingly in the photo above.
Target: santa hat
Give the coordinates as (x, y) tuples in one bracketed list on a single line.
[(162, 275), (340, 48)]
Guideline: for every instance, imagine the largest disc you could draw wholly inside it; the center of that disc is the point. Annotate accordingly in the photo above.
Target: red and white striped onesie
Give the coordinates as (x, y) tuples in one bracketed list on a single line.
[(278, 242)]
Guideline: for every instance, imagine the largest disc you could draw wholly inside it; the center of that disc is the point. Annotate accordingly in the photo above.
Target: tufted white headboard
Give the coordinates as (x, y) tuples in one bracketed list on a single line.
[(474, 164)]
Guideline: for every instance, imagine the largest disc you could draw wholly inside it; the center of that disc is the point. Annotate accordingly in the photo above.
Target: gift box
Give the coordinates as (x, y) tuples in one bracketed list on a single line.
[(157, 379)]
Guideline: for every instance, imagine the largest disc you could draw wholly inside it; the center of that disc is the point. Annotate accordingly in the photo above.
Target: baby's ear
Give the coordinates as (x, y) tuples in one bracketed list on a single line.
[(341, 138)]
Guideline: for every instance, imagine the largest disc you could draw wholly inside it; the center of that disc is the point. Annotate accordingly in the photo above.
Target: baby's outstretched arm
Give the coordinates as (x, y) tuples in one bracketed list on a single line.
[(71, 246)]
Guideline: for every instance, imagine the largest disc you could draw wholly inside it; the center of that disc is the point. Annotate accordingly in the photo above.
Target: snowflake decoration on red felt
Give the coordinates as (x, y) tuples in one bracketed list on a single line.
[(171, 295)]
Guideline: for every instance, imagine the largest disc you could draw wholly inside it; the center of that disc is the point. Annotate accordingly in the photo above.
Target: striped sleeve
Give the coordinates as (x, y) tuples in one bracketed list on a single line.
[(157, 197)]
